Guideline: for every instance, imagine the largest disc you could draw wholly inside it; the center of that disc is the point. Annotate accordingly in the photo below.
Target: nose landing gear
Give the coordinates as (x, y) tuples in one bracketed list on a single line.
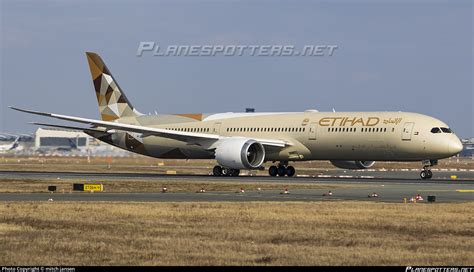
[(426, 172)]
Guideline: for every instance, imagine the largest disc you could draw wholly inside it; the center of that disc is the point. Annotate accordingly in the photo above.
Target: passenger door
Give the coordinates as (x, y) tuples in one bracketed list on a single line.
[(407, 131), (217, 128), (312, 131)]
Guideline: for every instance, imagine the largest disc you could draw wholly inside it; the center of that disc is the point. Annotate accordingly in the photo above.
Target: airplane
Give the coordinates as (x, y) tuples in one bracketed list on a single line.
[(349, 140), (10, 147)]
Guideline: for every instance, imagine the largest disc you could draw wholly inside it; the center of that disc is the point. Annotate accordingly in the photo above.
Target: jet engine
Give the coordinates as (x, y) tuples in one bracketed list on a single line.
[(353, 164), (240, 153)]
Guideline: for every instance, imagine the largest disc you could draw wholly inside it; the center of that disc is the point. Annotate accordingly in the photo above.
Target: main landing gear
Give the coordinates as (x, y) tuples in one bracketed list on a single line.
[(281, 170), (222, 171), (426, 172)]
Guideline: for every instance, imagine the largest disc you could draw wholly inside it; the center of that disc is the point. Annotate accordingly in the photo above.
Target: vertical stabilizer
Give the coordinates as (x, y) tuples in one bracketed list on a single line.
[(113, 104)]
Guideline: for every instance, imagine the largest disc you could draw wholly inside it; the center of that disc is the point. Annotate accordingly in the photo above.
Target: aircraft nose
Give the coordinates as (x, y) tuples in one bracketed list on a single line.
[(455, 146)]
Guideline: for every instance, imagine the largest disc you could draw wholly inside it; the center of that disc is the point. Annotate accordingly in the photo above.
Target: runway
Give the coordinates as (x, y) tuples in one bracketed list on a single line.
[(387, 193), (332, 176), (393, 188)]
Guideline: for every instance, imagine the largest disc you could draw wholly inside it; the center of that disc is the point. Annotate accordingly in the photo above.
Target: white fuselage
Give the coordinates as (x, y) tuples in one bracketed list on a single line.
[(380, 136)]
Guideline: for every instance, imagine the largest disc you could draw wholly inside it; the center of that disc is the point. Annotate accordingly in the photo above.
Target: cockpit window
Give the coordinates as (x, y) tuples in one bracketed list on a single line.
[(435, 130), (441, 130), (446, 130)]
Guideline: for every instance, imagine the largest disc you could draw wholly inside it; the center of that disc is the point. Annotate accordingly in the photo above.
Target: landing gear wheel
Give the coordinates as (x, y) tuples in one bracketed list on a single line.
[(426, 174), (217, 171), (423, 174), (273, 171), (290, 171), (430, 174), (226, 172), (281, 171), (234, 172)]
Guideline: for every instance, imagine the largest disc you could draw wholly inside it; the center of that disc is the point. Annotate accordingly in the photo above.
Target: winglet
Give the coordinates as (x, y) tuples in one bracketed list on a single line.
[(30, 111)]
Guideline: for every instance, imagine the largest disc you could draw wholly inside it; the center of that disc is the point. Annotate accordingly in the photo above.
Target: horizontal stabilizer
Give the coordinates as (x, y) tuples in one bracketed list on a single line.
[(68, 127)]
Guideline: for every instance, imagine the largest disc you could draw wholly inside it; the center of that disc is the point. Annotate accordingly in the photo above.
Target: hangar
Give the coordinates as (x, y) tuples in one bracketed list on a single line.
[(59, 138)]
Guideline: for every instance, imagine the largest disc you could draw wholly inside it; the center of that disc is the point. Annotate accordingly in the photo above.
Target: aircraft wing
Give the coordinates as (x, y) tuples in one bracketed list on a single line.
[(191, 137)]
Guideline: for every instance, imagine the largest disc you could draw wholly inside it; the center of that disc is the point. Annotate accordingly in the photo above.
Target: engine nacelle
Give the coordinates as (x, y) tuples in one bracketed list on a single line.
[(240, 153), (353, 164)]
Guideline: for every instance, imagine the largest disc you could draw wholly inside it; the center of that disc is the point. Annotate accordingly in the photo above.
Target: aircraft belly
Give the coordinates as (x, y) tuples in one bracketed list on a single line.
[(172, 149), (297, 152), (344, 148)]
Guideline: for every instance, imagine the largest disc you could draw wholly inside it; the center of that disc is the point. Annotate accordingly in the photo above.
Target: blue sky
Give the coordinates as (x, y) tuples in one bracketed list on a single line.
[(393, 56)]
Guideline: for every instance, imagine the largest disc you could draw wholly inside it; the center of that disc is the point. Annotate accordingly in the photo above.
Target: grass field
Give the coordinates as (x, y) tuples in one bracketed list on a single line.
[(218, 233), (254, 233)]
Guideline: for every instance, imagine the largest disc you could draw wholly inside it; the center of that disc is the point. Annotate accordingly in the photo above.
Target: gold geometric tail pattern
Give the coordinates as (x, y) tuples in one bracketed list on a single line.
[(113, 104)]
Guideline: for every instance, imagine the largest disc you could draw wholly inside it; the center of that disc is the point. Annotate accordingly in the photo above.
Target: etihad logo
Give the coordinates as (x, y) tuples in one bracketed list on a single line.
[(394, 121), (348, 121), (352, 121)]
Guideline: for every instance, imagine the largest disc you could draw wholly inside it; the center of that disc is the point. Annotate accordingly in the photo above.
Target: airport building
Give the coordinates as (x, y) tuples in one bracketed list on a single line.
[(468, 148), (63, 142), (56, 138)]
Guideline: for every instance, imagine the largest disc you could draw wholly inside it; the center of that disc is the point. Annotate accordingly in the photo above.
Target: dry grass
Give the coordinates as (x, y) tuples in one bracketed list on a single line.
[(152, 186), (255, 233)]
